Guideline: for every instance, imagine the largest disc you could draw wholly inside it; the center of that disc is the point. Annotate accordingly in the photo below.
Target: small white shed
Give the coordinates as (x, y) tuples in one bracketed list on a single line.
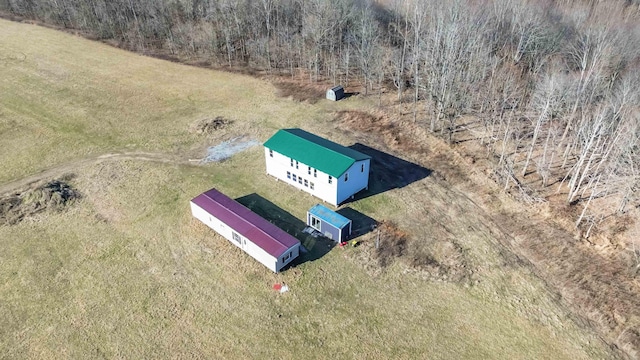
[(329, 223), (335, 93)]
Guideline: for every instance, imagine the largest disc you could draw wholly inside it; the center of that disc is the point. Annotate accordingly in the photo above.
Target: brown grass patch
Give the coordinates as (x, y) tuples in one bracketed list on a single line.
[(406, 138), (311, 93), (54, 195), (435, 259), (392, 243), (603, 288), (398, 135)]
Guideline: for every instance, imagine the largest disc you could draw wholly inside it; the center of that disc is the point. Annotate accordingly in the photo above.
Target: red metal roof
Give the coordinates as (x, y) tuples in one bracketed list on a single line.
[(245, 222)]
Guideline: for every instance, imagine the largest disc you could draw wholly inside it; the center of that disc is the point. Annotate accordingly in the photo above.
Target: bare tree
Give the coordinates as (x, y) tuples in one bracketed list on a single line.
[(588, 56)]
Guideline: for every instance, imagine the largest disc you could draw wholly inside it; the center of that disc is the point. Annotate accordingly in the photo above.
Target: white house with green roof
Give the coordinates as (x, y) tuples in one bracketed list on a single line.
[(324, 169)]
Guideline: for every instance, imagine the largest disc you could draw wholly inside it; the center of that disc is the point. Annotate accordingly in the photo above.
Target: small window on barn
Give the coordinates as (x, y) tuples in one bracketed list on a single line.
[(330, 179), (362, 168), (295, 178), (288, 174), (296, 164), (346, 177), (306, 183), (309, 170), (291, 162), (236, 237), (312, 185), (315, 172), (286, 257), (270, 152), (315, 223)]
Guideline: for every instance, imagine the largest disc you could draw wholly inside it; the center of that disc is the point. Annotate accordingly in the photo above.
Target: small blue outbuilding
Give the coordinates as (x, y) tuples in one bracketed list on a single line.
[(329, 223)]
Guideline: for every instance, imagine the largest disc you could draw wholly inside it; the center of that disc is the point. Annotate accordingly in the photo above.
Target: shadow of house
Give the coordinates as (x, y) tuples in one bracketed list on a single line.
[(388, 172), (361, 224), (316, 247)]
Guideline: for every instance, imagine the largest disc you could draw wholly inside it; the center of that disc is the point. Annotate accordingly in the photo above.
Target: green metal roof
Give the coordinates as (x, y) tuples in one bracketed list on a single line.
[(322, 154)]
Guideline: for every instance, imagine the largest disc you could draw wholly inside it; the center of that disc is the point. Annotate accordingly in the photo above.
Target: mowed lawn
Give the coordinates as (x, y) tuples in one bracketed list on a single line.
[(126, 272)]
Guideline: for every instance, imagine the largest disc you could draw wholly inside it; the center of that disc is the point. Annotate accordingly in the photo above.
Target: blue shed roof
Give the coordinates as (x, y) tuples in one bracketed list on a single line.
[(329, 216)]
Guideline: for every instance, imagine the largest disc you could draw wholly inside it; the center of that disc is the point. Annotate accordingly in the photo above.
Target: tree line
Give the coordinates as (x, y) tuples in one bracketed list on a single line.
[(554, 84)]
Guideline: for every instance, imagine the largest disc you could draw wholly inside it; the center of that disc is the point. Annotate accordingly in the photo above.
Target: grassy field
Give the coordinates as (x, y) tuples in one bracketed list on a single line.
[(126, 272)]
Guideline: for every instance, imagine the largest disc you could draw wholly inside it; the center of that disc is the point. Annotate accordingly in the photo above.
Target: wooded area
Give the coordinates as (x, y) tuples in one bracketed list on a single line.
[(555, 84)]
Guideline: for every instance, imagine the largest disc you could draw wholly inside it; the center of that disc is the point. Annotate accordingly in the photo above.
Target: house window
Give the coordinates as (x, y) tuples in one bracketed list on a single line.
[(295, 178), (270, 152), (236, 237), (309, 170), (330, 179), (362, 168), (296, 164), (346, 177), (315, 223), (311, 185), (306, 183), (300, 180), (315, 173), (288, 174), (286, 257), (291, 161)]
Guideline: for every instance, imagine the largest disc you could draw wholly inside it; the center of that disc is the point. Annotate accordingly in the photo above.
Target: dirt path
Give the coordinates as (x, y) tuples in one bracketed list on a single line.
[(71, 166)]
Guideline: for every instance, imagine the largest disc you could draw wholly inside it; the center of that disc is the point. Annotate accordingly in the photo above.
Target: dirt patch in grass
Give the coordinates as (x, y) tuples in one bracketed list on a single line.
[(54, 195), (391, 243), (433, 259), (396, 135), (209, 126), (311, 93)]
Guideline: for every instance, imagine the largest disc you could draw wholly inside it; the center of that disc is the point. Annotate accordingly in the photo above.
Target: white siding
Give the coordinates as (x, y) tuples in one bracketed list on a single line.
[(259, 254), (211, 221), (278, 165), (245, 244), (358, 180), (295, 251)]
